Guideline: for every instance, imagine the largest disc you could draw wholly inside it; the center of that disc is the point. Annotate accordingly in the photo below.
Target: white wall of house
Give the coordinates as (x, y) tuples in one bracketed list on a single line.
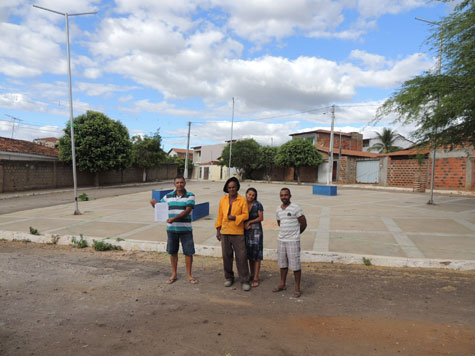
[(400, 141)]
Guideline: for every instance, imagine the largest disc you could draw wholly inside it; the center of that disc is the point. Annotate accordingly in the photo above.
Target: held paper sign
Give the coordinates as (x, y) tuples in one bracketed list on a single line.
[(161, 212)]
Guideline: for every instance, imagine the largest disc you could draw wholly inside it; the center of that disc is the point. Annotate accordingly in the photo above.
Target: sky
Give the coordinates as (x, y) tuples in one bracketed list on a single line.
[(159, 64)]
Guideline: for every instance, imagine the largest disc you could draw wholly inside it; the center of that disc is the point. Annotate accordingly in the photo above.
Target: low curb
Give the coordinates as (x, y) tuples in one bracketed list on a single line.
[(269, 254)]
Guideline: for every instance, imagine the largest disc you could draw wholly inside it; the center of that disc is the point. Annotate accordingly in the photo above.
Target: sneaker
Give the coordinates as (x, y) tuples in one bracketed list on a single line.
[(246, 287), (228, 282)]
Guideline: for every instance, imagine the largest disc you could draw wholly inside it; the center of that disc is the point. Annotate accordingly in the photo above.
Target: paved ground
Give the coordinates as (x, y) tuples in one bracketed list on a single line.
[(394, 225)]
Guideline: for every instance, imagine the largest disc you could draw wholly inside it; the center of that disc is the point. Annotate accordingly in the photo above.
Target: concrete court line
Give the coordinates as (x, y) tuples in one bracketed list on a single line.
[(16, 221), (438, 234), (465, 223), (65, 227), (322, 237), (139, 229), (402, 239), (212, 241)]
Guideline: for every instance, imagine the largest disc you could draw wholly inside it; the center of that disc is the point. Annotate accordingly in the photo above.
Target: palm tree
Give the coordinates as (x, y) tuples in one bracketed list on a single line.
[(387, 138)]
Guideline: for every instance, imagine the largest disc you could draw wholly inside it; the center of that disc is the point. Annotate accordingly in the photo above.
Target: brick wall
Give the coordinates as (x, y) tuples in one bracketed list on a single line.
[(355, 142), (404, 172), (450, 173), (308, 174), (29, 175)]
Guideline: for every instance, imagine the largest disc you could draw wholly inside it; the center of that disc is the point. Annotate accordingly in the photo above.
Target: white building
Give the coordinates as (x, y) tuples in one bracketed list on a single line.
[(400, 141)]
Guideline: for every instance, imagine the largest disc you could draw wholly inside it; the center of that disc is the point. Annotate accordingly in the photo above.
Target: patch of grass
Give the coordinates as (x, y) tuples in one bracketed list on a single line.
[(105, 246), (119, 239), (367, 261), (34, 231), (83, 197), (81, 243)]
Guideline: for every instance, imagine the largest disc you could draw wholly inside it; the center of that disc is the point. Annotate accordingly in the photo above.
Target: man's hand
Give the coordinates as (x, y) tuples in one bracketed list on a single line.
[(170, 220), (303, 223), (218, 233), (247, 226), (153, 202)]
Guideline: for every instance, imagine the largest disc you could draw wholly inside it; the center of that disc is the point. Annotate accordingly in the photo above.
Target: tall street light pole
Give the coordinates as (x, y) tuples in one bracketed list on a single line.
[(187, 150), (330, 160), (439, 69), (73, 148), (231, 143)]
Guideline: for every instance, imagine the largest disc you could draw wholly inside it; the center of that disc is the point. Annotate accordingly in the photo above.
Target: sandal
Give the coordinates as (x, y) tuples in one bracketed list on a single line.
[(279, 289), (172, 280), (255, 283), (297, 294), (193, 280)]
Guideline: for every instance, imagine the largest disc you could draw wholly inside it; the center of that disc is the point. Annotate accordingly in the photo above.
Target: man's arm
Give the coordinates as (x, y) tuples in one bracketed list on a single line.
[(184, 213), (303, 223)]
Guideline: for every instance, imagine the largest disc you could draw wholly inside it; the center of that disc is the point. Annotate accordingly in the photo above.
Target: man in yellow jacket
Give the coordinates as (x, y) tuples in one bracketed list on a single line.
[(232, 213)]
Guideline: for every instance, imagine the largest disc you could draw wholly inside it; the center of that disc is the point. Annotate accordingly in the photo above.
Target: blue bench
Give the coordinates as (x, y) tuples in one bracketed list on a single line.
[(159, 194), (329, 190), (199, 211)]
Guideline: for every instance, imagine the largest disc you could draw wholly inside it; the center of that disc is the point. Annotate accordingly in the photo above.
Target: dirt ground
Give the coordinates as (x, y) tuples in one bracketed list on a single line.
[(56, 300)]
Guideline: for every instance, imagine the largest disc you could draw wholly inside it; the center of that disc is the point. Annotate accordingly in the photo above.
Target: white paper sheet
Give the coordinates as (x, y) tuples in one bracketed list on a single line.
[(161, 212)]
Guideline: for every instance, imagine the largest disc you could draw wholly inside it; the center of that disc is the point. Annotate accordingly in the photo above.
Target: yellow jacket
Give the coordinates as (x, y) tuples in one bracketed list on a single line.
[(239, 210)]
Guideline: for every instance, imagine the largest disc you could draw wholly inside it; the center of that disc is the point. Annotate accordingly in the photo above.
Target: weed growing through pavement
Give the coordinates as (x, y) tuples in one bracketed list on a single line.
[(83, 197), (119, 239), (81, 243), (34, 231), (104, 246), (366, 261)]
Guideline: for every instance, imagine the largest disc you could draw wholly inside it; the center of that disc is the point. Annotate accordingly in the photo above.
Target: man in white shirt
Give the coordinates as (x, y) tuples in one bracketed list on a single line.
[(292, 223)]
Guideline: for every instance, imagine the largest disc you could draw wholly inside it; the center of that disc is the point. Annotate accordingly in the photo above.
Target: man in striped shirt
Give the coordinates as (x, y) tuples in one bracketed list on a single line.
[(292, 223), (180, 204)]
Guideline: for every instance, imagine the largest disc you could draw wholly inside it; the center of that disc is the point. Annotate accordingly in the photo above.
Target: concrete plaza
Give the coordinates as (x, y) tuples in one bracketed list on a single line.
[(390, 227)]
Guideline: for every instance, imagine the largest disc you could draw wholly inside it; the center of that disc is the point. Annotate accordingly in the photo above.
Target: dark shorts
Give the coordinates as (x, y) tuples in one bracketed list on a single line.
[(186, 238)]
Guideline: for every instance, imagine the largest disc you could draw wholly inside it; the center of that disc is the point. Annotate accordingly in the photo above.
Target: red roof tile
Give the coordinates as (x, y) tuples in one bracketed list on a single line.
[(350, 152), (324, 131), (21, 146)]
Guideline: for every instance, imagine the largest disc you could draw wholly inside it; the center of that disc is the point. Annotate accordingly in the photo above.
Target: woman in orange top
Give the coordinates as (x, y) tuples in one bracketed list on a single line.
[(232, 213)]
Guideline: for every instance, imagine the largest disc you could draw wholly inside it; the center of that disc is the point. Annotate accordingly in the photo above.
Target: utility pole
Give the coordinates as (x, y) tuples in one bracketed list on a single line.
[(187, 151), (439, 69), (330, 162), (73, 148), (231, 143), (13, 123), (339, 160)]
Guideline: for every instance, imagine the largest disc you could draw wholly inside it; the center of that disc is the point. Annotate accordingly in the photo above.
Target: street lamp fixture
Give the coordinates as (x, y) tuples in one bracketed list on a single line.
[(73, 149)]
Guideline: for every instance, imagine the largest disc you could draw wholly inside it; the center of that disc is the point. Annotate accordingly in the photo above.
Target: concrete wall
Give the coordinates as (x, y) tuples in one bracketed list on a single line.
[(29, 175)]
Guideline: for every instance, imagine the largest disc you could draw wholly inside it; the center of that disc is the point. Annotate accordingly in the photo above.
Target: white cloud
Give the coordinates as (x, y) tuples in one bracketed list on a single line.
[(19, 101), (28, 132), (94, 89), (375, 8), (371, 61)]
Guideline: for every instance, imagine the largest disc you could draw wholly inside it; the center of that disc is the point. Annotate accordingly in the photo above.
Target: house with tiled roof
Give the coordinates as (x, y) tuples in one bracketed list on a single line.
[(21, 150), (180, 152), (52, 142)]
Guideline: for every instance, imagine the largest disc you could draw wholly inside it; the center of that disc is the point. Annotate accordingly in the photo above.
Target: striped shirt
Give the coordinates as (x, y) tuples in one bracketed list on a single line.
[(289, 223), (176, 205)]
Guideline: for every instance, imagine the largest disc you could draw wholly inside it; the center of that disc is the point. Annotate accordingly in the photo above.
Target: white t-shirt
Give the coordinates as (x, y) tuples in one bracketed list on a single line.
[(289, 224)]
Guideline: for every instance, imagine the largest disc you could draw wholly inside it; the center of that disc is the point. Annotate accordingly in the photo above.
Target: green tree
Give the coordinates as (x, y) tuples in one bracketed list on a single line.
[(267, 156), (147, 152), (102, 144), (180, 162), (387, 138), (244, 156), (297, 153), (442, 104)]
